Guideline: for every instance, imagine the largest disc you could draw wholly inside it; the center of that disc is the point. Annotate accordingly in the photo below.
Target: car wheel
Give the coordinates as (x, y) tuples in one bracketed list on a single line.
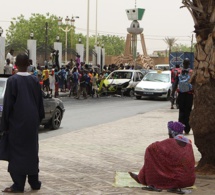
[(131, 93), (138, 97), (56, 119)]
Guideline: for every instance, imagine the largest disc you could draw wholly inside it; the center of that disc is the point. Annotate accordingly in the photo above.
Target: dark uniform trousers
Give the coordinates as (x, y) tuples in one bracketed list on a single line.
[(185, 102)]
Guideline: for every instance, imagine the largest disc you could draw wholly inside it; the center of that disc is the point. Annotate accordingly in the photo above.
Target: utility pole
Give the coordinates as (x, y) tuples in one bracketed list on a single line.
[(191, 48), (46, 41)]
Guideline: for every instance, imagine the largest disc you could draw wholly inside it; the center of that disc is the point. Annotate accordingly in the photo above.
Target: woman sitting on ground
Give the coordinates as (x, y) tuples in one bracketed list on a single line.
[(169, 164)]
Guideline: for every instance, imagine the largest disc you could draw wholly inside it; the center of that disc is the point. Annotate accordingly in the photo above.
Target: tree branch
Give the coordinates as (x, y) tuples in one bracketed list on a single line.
[(188, 3)]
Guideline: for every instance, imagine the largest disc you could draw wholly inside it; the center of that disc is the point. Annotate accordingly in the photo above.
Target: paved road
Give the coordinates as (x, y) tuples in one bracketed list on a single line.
[(86, 113)]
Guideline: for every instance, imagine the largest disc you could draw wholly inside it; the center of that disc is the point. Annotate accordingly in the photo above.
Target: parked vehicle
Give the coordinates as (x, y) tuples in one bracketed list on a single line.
[(54, 108), (155, 84), (162, 67), (124, 81)]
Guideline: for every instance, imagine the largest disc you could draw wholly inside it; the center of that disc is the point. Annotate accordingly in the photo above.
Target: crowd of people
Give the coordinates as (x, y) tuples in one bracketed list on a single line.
[(79, 79)]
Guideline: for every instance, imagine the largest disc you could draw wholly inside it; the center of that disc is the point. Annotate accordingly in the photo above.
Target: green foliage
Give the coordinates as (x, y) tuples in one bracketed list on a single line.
[(182, 47), (20, 29)]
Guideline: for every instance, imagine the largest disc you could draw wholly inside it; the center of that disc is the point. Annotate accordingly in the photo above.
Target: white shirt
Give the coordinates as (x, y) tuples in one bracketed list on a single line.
[(8, 68)]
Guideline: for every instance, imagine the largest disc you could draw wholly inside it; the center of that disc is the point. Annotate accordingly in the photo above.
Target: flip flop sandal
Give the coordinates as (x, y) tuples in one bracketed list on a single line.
[(177, 191), (151, 188), (11, 190)]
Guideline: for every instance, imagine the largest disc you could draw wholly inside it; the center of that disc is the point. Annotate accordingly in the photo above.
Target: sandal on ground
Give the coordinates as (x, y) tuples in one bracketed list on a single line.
[(176, 190), (151, 188), (11, 190)]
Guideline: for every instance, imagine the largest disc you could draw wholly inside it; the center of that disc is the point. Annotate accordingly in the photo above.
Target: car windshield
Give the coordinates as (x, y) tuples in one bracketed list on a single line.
[(2, 88), (120, 75), (157, 77)]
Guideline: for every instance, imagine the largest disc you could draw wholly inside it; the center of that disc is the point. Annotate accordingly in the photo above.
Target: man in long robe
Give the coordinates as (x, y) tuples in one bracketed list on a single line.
[(22, 113)]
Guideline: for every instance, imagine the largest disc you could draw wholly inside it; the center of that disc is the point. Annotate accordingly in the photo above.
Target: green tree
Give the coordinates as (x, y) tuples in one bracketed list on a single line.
[(181, 47), (202, 118), (46, 29), (20, 29)]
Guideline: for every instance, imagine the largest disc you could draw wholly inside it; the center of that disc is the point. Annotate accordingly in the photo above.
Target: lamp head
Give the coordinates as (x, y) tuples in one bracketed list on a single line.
[(57, 38), (31, 35), (67, 20), (59, 21), (79, 40)]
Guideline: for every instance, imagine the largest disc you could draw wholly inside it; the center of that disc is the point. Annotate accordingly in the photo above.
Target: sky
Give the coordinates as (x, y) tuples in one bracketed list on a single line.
[(162, 18)]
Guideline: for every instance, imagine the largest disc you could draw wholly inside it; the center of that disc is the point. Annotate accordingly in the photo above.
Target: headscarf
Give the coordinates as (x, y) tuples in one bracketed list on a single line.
[(175, 128), (183, 139)]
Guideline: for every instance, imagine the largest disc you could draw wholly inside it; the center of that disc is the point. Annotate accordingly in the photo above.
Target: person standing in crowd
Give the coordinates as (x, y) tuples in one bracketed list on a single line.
[(62, 79), (74, 82), (174, 73), (52, 81), (31, 68), (185, 94), (71, 64), (89, 82), (169, 164), (56, 94), (10, 56), (94, 85), (8, 68), (45, 76), (83, 85), (21, 117)]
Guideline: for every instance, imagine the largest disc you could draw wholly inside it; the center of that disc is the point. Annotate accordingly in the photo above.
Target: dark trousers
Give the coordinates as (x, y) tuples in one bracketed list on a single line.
[(19, 181), (185, 102)]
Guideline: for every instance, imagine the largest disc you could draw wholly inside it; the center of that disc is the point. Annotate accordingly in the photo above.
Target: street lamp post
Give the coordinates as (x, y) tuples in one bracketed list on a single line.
[(88, 23), (1, 31), (67, 29)]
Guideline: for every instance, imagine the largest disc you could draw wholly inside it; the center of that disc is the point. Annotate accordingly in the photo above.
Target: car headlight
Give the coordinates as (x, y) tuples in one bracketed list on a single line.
[(162, 89)]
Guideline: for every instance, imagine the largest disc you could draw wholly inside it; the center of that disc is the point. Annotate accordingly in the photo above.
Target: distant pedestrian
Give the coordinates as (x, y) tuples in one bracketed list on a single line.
[(83, 85), (31, 68), (185, 94), (10, 56), (62, 79), (52, 81), (56, 94), (174, 74), (21, 117), (74, 82), (8, 68), (45, 76), (94, 85)]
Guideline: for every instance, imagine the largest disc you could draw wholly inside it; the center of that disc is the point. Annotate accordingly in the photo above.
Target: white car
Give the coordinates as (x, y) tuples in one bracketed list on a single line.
[(125, 80), (155, 84)]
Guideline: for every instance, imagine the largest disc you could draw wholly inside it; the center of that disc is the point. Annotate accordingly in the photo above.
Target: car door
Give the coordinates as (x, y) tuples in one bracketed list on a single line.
[(49, 106), (137, 78)]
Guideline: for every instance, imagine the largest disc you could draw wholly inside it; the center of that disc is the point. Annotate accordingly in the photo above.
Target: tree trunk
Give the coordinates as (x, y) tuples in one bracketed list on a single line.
[(202, 118)]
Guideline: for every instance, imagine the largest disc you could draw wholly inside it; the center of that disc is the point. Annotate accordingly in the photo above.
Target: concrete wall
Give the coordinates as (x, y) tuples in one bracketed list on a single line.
[(157, 60)]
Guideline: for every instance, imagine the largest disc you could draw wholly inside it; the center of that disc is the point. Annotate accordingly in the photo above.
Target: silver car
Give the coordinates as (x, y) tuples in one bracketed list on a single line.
[(54, 108)]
